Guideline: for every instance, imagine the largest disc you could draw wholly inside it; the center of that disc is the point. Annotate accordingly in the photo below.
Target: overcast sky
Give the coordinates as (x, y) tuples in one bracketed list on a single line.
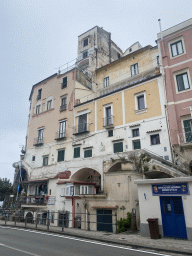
[(37, 36)]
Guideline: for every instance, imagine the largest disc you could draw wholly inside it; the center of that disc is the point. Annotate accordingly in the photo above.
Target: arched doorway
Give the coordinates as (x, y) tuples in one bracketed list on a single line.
[(29, 217)]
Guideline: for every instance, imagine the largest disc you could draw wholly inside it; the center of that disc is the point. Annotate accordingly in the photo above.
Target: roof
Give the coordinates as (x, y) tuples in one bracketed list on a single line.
[(166, 180), (63, 175), (34, 181)]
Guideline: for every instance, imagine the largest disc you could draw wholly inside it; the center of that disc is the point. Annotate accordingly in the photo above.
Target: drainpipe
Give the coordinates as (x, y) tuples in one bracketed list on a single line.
[(109, 48)]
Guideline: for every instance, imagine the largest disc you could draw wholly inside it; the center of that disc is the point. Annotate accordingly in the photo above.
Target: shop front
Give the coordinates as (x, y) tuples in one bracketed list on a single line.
[(168, 200)]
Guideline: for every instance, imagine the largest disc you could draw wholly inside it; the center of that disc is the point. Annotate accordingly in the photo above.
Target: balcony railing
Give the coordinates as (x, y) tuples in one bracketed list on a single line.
[(60, 135), (185, 137), (63, 107), (108, 122), (34, 200), (82, 128), (38, 141), (38, 97)]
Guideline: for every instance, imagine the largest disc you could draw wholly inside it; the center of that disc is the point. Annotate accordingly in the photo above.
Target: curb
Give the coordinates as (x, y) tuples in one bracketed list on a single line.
[(133, 246)]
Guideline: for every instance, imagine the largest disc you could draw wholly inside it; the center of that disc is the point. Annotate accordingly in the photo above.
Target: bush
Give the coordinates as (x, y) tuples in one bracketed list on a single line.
[(124, 224)]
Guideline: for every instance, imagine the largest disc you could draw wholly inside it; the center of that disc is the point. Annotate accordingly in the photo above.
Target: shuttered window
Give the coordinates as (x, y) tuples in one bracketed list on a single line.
[(76, 152), (45, 160), (61, 154), (118, 147), (136, 144), (88, 153), (64, 84)]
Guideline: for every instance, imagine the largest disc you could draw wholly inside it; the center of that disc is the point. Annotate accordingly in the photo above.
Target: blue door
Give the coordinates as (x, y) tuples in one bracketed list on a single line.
[(104, 220), (173, 218)]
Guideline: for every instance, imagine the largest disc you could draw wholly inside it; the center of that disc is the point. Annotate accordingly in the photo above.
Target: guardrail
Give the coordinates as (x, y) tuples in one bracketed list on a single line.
[(63, 219)]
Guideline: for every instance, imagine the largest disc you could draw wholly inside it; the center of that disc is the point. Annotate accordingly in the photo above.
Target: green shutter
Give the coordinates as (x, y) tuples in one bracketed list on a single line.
[(64, 85), (118, 147), (88, 153), (60, 155), (76, 152), (136, 144)]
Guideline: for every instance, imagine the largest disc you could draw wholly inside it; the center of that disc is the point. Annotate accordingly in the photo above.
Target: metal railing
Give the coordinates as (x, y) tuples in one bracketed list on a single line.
[(63, 107), (81, 128), (38, 96), (108, 121), (33, 200), (60, 135), (38, 141), (61, 219), (185, 137)]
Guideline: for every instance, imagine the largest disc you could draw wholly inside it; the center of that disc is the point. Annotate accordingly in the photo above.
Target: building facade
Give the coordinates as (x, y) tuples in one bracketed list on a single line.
[(176, 54)]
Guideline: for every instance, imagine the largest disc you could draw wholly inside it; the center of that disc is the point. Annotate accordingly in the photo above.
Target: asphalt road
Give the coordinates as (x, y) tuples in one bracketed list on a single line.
[(22, 242)]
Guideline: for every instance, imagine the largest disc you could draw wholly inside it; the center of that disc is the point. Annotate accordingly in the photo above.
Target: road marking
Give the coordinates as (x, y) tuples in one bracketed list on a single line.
[(4, 245), (86, 241)]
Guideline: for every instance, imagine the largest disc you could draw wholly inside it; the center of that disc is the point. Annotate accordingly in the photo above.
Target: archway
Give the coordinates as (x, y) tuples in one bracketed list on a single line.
[(29, 217)]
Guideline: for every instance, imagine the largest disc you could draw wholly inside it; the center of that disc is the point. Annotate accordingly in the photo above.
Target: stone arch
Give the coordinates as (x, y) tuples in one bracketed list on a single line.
[(29, 217), (115, 167), (87, 175)]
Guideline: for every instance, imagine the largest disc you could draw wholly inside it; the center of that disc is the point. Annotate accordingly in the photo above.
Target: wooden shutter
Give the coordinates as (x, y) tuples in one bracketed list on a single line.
[(88, 153), (118, 147), (76, 152), (61, 155)]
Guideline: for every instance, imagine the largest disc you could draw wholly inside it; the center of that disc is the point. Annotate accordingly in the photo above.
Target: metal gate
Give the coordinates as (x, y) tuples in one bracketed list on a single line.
[(173, 218), (104, 220)]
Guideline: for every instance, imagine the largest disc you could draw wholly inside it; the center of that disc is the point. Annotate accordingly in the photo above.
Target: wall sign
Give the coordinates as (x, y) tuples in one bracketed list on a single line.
[(170, 189), (51, 201)]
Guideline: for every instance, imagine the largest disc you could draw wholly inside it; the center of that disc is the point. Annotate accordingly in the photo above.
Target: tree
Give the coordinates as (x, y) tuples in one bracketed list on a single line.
[(5, 188)]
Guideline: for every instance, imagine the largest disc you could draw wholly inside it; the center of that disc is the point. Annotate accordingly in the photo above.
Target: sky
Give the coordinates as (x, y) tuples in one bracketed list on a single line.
[(38, 36)]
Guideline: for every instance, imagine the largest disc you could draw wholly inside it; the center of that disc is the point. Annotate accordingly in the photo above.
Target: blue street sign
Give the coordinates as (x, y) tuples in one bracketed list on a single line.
[(170, 189)]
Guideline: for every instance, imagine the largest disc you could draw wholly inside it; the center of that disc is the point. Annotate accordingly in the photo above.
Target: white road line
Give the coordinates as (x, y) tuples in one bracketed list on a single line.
[(86, 241), (15, 249)]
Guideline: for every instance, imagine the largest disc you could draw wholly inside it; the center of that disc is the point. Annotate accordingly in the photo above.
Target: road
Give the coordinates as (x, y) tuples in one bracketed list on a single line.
[(23, 242)]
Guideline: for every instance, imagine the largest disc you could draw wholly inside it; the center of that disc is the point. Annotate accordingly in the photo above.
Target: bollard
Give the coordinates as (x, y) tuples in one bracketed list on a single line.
[(15, 219), (36, 221), (116, 223), (88, 218), (63, 223), (48, 220), (25, 221), (19, 215), (5, 219)]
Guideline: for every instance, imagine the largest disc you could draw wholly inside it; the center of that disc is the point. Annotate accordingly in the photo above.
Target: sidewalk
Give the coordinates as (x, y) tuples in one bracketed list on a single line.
[(135, 240)]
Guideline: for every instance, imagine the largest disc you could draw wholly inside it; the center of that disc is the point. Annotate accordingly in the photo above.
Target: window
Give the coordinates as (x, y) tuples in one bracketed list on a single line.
[(118, 55), (62, 192), (108, 119), (141, 102), (118, 147), (33, 158), (38, 108), (134, 69), (187, 130), (177, 48), (62, 129), (50, 192), (40, 136), (45, 160), (88, 153), (39, 94), (130, 49), (155, 139), (136, 144), (63, 104), (64, 84), (76, 152), (49, 104), (182, 82), (83, 126), (106, 81), (61, 154), (85, 55), (86, 190), (110, 133), (85, 42), (135, 132), (158, 60)]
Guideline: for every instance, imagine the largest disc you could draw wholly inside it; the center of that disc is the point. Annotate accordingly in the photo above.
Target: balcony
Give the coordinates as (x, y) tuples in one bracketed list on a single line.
[(60, 135), (38, 142), (63, 107), (34, 200), (185, 139), (108, 122), (80, 129)]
